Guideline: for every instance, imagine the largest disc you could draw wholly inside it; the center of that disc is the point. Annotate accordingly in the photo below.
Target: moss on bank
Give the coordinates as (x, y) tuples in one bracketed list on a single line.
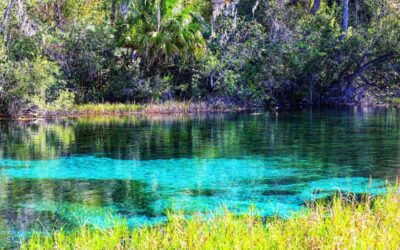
[(344, 223)]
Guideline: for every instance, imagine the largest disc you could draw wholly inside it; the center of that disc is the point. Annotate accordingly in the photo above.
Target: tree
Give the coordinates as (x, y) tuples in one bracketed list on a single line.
[(345, 20), (159, 31), (7, 13)]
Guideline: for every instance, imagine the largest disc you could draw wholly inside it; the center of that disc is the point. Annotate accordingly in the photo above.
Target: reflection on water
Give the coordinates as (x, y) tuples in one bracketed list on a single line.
[(63, 173)]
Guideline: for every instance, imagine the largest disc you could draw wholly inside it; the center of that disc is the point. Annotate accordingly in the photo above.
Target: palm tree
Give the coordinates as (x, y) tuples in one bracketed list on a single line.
[(162, 30)]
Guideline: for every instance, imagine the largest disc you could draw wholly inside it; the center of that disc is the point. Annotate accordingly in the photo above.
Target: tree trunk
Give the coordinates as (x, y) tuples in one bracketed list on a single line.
[(255, 6), (8, 41), (6, 15), (310, 83), (345, 21), (356, 10), (315, 7), (113, 11), (57, 14), (350, 78)]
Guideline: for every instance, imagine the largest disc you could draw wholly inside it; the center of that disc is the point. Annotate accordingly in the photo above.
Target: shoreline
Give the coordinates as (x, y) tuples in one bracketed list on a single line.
[(121, 109), (153, 109)]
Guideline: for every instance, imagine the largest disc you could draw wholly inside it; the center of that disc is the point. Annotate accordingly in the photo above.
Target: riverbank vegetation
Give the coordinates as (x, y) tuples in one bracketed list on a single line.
[(167, 107), (56, 54), (343, 223)]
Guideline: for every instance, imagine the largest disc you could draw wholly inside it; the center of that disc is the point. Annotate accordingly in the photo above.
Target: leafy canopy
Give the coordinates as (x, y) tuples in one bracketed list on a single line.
[(162, 30)]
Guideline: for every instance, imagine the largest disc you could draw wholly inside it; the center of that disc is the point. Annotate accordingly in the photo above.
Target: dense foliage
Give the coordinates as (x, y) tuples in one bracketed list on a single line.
[(55, 53)]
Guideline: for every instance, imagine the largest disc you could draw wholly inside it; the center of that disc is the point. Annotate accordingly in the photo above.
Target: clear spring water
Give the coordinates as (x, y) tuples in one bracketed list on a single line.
[(67, 172)]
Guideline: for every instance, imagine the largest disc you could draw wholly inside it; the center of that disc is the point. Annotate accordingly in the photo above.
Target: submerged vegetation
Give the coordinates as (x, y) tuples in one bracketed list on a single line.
[(56, 54), (343, 223)]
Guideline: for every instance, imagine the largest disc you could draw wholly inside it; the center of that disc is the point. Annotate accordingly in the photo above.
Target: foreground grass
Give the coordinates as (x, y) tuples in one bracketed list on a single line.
[(369, 224)]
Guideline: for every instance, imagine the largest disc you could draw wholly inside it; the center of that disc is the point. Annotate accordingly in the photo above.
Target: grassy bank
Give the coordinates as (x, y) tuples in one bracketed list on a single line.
[(170, 107), (90, 109), (155, 108), (344, 223)]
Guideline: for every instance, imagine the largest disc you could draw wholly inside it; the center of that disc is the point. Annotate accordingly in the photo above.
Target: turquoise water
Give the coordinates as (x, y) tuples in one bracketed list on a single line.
[(64, 173)]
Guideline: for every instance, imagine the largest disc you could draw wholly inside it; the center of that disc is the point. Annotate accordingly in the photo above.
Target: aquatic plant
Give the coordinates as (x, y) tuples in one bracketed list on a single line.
[(345, 222)]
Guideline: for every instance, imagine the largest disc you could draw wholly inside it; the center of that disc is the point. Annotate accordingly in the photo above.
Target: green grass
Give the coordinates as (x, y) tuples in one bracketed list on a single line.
[(107, 108), (344, 223), (394, 101), (169, 107)]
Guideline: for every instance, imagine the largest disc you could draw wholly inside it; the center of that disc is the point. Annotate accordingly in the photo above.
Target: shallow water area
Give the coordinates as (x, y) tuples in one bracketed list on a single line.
[(67, 172)]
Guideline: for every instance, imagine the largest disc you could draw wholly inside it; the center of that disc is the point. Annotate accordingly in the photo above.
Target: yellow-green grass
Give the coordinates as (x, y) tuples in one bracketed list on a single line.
[(151, 108), (169, 107), (107, 108), (394, 101), (343, 223), (161, 108)]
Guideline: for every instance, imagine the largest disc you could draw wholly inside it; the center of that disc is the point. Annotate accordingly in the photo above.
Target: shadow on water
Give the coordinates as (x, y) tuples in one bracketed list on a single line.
[(48, 204), (278, 192), (202, 192), (97, 193)]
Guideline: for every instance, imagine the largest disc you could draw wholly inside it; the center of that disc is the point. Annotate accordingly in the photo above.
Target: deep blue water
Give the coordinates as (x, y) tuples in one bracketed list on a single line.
[(63, 173)]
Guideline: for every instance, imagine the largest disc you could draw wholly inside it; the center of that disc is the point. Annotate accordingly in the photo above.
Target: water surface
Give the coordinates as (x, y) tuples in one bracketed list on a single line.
[(64, 173)]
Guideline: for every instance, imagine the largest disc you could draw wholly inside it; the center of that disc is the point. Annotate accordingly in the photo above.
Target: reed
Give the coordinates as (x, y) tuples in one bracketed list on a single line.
[(343, 223), (168, 107), (107, 108)]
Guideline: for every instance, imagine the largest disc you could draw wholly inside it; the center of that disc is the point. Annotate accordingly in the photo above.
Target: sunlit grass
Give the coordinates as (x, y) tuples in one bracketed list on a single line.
[(394, 101), (159, 108), (107, 108), (343, 223), (168, 107)]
